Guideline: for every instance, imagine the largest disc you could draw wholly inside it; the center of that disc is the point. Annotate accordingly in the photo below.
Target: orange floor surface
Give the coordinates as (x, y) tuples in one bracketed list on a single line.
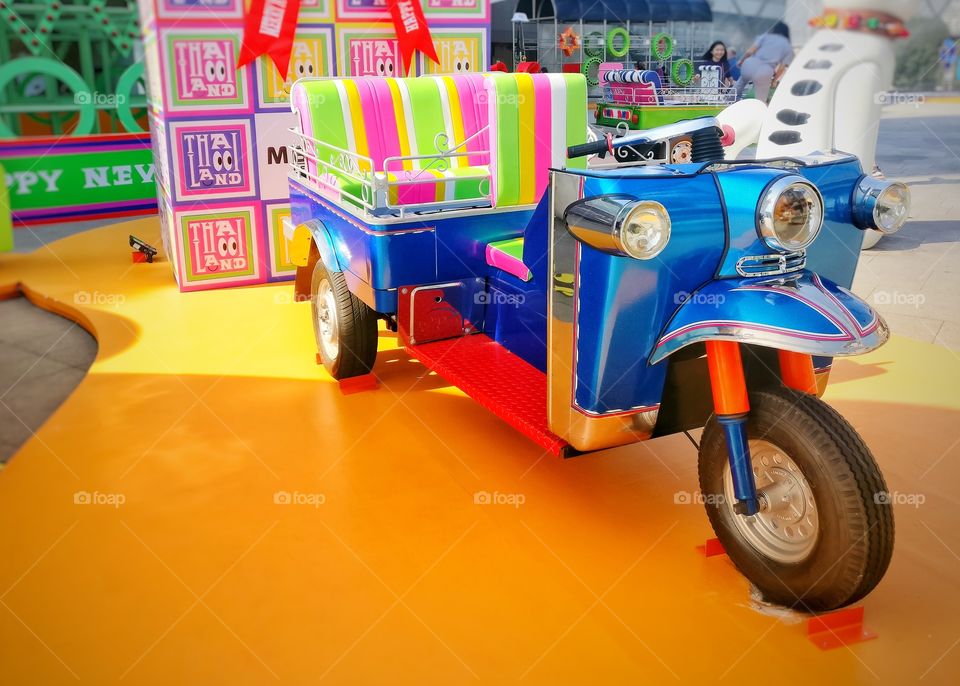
[(209, 508)]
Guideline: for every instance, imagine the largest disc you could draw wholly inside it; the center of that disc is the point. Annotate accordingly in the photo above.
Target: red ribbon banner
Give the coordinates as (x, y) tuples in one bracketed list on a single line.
[(412, 31), (269, 29)]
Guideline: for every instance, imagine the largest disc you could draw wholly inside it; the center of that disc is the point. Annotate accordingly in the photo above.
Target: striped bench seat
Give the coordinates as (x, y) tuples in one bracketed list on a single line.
[(384, 142)]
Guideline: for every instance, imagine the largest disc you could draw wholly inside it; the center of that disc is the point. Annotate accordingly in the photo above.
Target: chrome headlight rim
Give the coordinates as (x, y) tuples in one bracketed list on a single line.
[(866, 203), (768, 202), (623, 217)]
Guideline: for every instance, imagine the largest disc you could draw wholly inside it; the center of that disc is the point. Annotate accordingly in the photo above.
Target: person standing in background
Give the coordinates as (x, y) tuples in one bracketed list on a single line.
[(734, 64), (765, 61)]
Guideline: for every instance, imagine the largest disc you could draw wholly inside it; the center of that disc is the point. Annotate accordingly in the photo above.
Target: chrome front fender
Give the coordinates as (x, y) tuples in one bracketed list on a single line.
[(802, 312)]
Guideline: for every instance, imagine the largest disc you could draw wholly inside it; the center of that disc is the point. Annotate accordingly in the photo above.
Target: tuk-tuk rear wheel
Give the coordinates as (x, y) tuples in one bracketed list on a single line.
[(847, 539), (344, 326)]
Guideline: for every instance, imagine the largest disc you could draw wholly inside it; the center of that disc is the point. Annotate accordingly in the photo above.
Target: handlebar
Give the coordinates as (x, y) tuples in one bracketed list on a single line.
[(597, 147), (608, 143)]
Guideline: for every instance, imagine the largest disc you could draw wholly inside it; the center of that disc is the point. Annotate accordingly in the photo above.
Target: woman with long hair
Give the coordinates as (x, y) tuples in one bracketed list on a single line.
[(716, 56), (765, 61)]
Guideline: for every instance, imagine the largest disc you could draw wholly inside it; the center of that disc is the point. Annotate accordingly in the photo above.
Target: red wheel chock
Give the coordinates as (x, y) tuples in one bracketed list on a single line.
[(358, 384), (712, 547), (841, 628)]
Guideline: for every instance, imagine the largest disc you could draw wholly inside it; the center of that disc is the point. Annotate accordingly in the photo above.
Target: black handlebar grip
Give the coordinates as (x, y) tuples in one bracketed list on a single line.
[(584, 149)]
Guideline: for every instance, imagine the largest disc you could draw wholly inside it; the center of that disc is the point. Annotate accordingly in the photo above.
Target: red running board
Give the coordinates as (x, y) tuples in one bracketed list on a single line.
[(508, 386)]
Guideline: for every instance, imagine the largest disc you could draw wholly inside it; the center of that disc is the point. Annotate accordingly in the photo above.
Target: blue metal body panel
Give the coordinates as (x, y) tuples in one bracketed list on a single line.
[(376, 259), (623, 303), (516, 317), (517, 310), (801, 312), (835, 253), (629, 315), (742, 190)]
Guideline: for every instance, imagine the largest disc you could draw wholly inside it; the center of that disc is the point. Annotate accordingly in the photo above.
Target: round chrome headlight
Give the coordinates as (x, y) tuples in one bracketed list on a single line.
[(643, 229), (790, 214), (881, 205)]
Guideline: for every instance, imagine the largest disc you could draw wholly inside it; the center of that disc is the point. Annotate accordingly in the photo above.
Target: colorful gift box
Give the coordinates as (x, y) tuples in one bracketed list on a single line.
[(220, 134)]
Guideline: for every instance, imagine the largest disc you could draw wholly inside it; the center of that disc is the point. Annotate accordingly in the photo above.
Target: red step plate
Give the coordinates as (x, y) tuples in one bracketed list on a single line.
[(505, 384)]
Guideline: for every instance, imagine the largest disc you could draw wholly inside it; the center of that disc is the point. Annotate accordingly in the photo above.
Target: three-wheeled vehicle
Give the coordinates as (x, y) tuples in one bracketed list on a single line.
[(596, 308)]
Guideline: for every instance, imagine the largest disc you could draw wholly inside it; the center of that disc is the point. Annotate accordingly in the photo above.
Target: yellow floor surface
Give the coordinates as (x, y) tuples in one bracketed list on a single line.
[(208, 508)]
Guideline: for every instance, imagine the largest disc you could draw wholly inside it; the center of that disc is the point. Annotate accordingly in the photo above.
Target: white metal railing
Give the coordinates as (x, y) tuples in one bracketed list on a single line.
[(346, 163), (627, 94), (378, 186)]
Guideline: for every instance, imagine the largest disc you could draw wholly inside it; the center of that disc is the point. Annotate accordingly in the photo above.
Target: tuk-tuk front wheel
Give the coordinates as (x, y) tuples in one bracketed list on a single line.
[(344, 326), (824, 535)]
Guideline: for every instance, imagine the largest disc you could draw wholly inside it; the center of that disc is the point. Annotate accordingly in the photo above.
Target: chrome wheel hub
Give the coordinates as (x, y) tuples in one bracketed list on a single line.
[(787, 526), (327, 325)]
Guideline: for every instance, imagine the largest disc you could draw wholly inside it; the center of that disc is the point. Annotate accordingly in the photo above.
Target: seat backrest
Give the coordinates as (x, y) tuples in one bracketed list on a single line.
[(533, 119), (388, 117)]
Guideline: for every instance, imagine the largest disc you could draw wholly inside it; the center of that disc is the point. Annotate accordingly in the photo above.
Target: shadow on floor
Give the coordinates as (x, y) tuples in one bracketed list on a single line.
[(42, 359)]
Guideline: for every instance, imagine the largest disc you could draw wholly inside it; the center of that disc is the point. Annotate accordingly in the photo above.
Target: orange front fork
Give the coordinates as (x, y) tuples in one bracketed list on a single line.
[(726, 378), (796, 371), (732, 407)]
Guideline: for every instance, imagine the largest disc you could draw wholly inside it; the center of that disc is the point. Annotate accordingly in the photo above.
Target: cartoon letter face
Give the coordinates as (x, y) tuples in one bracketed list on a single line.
[(194, 9), (213, 160), (462, 56), (458, 54), (374, 57), (214, 63), (309, 57), (204, 70), (198, 3), (451, 4), (279, 245), (304, 61), (218, 246)]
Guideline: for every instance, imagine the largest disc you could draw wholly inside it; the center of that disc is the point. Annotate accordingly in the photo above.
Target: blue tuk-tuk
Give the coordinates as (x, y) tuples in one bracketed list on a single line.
[(596, 307)]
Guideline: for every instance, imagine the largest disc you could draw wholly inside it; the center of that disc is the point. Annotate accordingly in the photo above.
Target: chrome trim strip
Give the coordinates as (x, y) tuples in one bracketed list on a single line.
[(584, 431), (786, 264)]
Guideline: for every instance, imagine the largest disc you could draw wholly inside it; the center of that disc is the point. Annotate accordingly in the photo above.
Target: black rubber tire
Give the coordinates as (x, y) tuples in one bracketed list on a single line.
[(357, 325), (855, 540)]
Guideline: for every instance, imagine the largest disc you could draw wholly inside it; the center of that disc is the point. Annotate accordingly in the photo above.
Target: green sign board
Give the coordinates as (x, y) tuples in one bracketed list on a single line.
[(79, 177)]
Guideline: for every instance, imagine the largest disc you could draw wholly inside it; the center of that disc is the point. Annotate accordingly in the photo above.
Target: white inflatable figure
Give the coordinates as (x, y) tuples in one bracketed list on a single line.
[(831, 96), (741, 124)]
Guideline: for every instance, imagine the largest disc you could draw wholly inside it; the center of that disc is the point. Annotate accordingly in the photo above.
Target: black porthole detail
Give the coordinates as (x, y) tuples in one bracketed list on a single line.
[(831, 47), (785, 137), (818, 64), (808, 87), (793, 118)]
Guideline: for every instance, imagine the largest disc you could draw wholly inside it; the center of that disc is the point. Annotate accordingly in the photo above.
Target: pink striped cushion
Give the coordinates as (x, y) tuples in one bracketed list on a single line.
[(381, 122), (473, 104), (543, 142)]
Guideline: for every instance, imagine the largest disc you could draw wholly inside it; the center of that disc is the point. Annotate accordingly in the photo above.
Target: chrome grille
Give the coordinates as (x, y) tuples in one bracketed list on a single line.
[(771, 265)]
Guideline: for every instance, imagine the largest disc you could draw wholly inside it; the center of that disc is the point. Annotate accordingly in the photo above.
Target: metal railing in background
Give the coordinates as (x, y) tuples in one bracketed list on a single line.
[(70, 67)]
